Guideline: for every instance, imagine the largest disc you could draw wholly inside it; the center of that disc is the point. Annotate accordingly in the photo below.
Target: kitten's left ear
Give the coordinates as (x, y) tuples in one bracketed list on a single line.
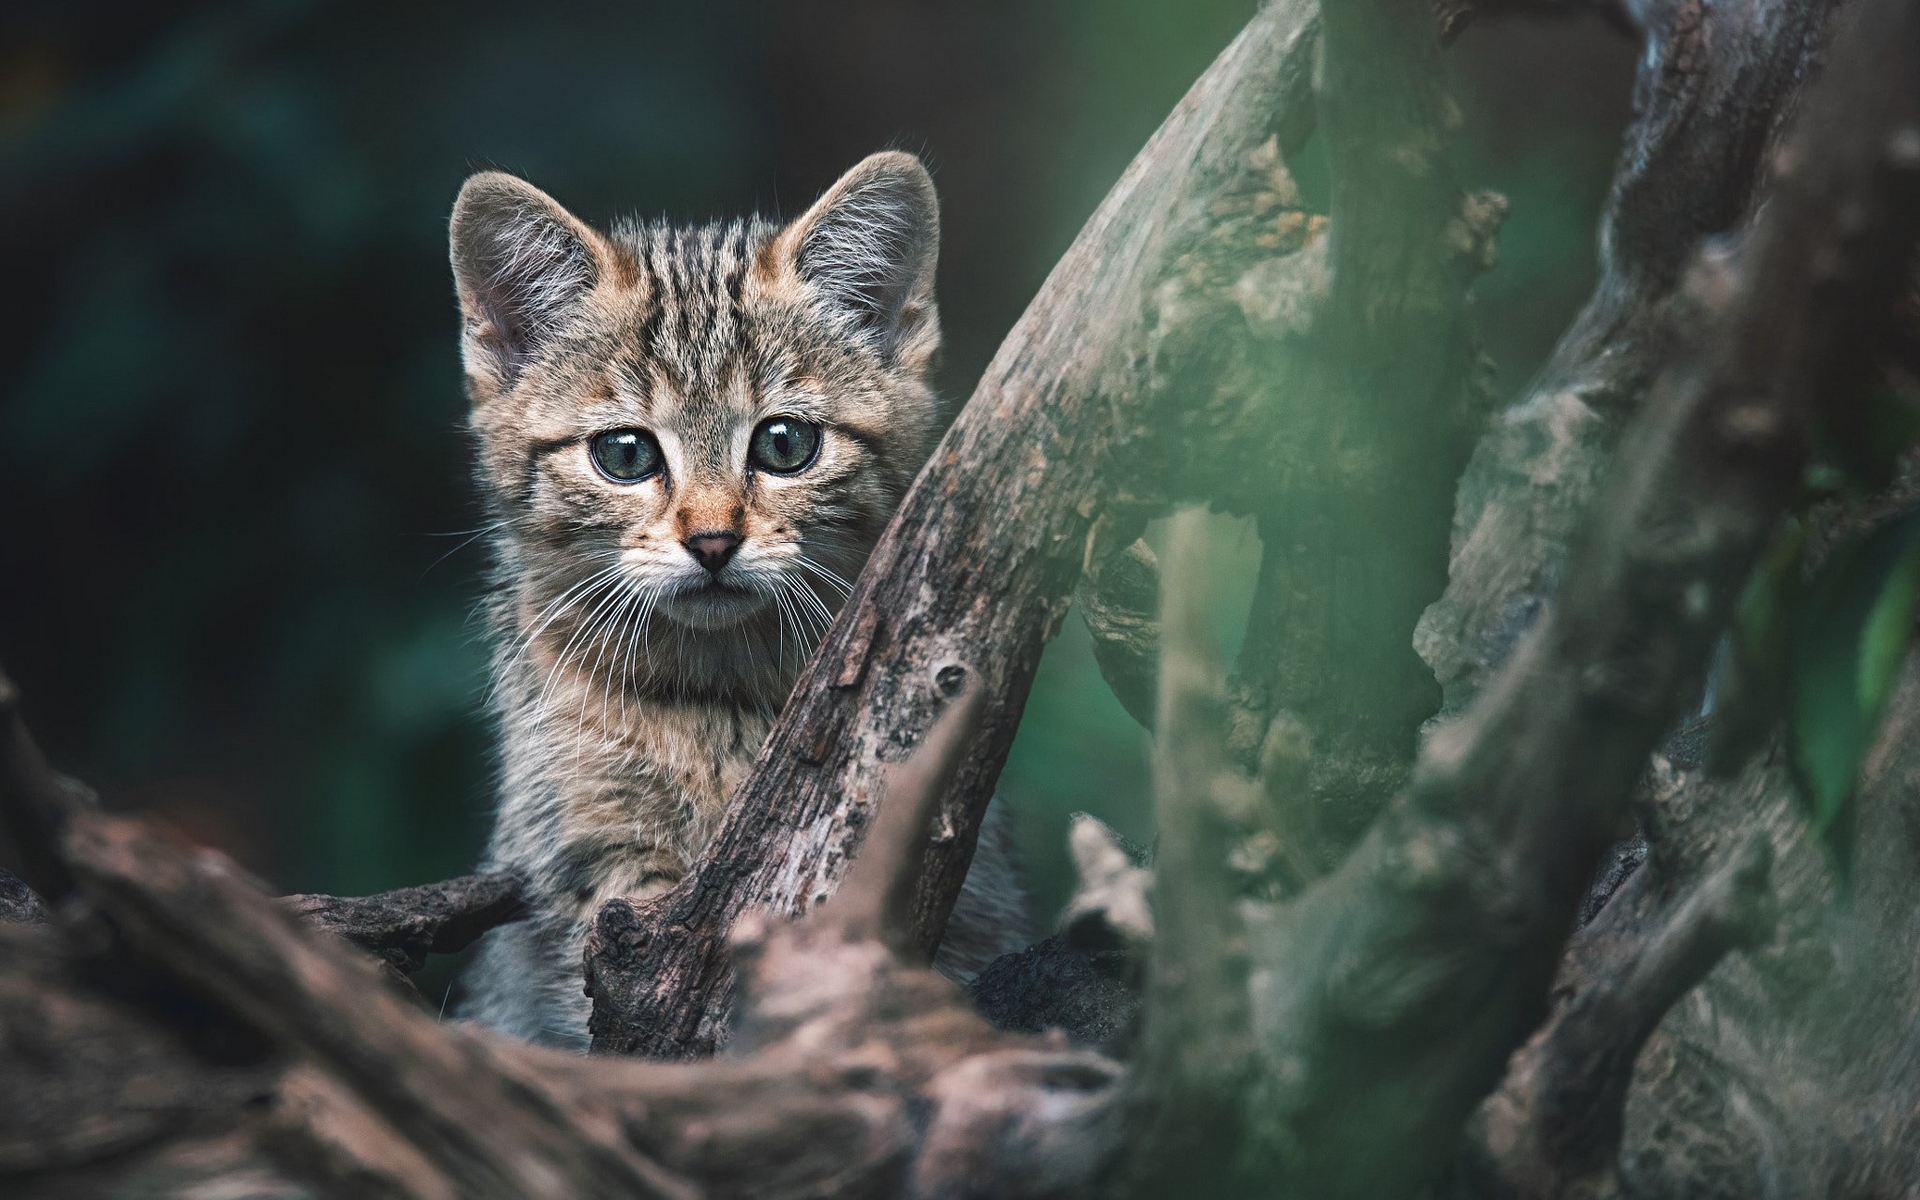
[(869, 248), (522, 265)]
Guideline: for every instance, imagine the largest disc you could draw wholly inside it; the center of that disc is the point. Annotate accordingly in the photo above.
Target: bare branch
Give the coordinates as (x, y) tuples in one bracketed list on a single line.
[(405, 925), (1716, 85), (1554, 1127), (1368, 413), (1197, 1055), (1392, 992)]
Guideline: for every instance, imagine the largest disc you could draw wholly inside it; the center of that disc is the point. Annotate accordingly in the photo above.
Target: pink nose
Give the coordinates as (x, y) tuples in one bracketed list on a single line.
[(713, 548)]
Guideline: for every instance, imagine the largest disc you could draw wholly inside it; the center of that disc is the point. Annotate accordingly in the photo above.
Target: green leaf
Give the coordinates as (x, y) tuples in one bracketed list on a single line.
[(1889, 630), (1852, 627)]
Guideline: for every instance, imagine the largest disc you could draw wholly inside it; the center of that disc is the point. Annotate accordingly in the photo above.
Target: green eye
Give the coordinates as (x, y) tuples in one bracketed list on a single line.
[(625, 455), (783, 445)]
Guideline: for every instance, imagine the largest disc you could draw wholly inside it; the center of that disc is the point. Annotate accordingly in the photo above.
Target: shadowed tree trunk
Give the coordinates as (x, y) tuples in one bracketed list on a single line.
[(1357, 973)]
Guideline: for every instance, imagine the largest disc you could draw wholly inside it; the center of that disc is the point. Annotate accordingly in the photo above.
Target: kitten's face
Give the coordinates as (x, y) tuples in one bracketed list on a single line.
[(694, 436)]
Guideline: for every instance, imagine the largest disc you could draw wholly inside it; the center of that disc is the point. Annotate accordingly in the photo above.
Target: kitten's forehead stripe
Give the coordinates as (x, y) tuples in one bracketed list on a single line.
[(693, 326)]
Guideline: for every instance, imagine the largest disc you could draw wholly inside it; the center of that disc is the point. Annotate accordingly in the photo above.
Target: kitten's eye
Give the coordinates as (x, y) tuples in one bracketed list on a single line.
[(625, 455), (783, 445)]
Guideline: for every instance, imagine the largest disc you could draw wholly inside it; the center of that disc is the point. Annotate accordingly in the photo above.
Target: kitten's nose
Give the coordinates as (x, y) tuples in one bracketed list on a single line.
[(713, 548)]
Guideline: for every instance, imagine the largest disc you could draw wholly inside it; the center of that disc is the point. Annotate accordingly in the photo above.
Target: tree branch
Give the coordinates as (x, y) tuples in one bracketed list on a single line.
[(405, 925), (470, 1112), (1060, 403), (1554, 1127), (1198, 1059), (1715, 86), (864, 1075), (1392, 992)]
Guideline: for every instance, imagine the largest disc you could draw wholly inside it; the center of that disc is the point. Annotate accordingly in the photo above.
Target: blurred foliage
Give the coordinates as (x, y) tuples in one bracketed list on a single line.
[(236, 579), (1817, 648)]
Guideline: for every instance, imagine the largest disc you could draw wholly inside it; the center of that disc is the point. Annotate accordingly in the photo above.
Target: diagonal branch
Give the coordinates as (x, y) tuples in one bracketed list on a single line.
[(1716, 84), (978, 565)]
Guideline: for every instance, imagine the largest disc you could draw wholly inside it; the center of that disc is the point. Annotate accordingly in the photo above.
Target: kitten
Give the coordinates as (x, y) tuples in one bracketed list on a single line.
[(690, 439)]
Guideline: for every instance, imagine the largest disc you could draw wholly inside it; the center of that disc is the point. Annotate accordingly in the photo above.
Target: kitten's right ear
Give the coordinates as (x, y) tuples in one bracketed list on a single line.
[(522, 264), (868, 248)]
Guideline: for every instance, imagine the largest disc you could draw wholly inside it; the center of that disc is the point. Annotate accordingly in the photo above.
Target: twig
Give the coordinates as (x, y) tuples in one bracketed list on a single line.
[(1197, 1043), (403, 926)]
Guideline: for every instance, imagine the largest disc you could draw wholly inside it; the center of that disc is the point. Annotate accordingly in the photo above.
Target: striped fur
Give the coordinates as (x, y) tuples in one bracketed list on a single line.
[(632, 696)]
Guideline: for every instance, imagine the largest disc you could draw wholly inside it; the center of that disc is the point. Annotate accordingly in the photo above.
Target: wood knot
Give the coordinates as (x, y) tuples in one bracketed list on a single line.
[(950, 679)]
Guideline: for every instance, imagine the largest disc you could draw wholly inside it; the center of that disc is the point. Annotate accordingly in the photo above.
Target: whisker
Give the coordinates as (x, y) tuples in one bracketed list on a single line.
[(583, 631), (546, 617), (609, 639), (804, 607), (813, 601), (827, 574)]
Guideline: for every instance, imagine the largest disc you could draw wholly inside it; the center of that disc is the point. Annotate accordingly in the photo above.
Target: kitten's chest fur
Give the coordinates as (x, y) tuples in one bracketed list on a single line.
[(608, 791)]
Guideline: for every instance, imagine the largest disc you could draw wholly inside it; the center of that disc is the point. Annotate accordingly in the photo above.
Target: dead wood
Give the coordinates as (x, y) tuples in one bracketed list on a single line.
[(403, 926), (1045, 426), (1837, 1084), (867, 1076), (1554, 1128), (1716, 85)]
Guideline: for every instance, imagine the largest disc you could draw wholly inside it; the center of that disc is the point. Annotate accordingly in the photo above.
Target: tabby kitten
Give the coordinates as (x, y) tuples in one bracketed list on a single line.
[(689, 439)]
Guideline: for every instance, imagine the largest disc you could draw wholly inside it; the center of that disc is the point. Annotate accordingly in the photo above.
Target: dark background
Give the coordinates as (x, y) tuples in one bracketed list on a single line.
[(234, 578)]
